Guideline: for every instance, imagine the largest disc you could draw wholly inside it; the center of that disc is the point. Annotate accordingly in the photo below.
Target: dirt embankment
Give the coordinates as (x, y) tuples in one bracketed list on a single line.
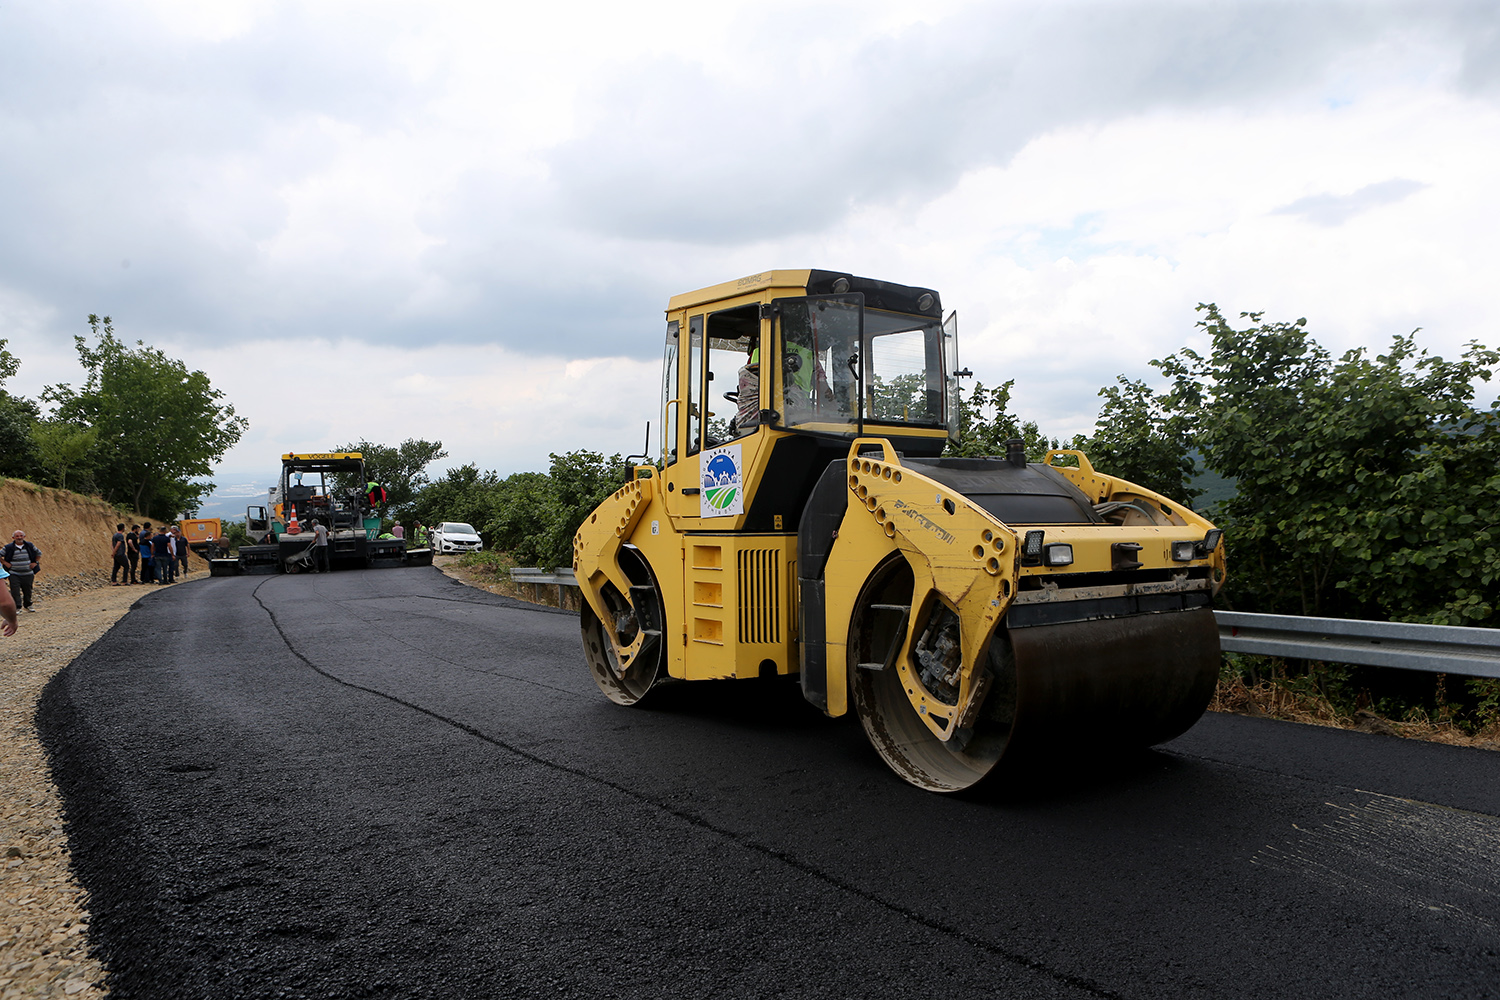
[(71, 530)]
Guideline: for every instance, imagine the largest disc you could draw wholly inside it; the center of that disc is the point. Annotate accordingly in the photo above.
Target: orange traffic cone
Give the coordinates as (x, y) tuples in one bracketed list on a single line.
[(292, 528)]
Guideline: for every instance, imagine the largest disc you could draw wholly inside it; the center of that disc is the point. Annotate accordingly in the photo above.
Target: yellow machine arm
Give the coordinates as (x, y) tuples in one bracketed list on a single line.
[(959, 555), (596, 558)]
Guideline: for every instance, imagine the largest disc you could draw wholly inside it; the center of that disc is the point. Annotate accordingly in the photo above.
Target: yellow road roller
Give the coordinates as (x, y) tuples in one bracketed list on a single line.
[(977, 613)]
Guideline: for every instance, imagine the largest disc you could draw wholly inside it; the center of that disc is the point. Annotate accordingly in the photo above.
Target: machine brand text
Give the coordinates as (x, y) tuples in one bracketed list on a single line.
[(925, 521)]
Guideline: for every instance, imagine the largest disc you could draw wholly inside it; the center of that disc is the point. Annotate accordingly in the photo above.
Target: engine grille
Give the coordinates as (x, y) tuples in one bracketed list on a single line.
[(759, 595)]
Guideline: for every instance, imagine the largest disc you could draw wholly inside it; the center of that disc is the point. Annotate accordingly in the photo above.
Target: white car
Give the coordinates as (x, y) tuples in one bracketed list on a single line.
[(455, 536)]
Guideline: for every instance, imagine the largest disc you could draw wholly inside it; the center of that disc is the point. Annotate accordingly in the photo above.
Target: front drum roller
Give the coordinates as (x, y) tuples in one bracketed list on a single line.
[(636, 624), (1054, 691)]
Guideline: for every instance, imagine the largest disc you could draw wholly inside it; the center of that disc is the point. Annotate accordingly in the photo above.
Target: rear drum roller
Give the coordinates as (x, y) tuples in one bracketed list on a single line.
[(890, 721), (626, 684)]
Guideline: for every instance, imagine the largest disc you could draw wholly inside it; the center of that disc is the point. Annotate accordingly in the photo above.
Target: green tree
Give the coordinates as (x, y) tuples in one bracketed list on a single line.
[(528, 520), (62, 446), (18, 455), (160, 426), (985, 423), (1366, 488), (537, 516), (401, 470), (460, 494), (1136, 439), (9, 363)]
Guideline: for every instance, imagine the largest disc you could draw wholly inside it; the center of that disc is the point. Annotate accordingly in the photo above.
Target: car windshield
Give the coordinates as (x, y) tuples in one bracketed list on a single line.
[(458, 529)]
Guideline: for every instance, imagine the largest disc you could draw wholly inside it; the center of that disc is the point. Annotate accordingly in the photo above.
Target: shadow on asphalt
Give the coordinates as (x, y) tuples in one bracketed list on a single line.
[(768, 704), (1070, 779)]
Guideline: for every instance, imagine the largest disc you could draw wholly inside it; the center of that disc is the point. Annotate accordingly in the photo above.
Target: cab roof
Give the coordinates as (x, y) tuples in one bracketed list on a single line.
[(812, 281), (324, 461)]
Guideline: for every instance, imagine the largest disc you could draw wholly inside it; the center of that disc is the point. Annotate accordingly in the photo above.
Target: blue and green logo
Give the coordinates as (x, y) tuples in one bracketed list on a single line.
[(721, 484)]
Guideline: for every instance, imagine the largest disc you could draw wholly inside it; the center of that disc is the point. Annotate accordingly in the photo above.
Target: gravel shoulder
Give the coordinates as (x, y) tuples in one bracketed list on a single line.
[(43, 912)]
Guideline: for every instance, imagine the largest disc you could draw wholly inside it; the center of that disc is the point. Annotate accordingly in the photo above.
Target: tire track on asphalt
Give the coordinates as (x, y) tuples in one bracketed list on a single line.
[(699, 823), (377, 622), (1320, 782)]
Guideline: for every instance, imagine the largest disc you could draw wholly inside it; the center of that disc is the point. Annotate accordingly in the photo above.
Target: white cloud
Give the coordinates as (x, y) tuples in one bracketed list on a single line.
[(1335, 209), (367, 183), (489, 405)]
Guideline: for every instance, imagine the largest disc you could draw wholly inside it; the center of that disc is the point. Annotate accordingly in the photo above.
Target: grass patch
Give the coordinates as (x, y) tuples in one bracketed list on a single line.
[(490, 570), (1322, 694)]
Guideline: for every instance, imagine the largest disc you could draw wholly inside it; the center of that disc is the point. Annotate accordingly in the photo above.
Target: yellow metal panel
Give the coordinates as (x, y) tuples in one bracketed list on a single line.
[(596, 549), (784, 282), (959, 554), (200, 529), (861, 546)]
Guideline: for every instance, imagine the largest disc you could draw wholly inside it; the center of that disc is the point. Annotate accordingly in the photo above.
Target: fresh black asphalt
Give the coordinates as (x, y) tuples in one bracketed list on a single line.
[(385, 784)]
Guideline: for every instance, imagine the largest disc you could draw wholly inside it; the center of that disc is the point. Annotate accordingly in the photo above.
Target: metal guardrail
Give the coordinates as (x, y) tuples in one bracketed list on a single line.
[(1443, 649), (561, 576)]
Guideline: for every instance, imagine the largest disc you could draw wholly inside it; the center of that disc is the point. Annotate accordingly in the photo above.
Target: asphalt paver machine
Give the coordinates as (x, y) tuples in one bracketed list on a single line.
[(325, 488), (976, 613)]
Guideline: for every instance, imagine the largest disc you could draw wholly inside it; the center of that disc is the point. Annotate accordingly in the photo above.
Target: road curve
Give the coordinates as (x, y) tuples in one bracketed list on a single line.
[(385, 784)]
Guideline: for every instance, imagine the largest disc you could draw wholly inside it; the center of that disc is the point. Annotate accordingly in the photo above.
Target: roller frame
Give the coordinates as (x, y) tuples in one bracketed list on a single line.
[(597, 546)]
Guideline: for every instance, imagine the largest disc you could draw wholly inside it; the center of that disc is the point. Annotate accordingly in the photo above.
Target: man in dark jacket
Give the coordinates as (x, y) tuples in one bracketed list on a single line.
[(180, 547), (148, 556), (122, 560), (133, 548), (163, 556), (23, 562)]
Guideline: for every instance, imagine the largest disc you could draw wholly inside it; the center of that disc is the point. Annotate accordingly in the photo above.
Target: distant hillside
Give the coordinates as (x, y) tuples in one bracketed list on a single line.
[(1216, 489), (235, 492)]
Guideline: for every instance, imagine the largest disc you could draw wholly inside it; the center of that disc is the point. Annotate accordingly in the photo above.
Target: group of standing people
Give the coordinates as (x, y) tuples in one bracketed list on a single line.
[(160, 554)]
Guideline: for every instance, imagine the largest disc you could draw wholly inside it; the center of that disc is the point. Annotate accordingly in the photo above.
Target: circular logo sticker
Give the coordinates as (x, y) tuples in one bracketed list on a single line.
[(721, 482)]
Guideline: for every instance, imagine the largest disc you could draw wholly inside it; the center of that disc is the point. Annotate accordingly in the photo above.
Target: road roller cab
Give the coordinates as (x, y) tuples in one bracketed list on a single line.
[(801, 520)]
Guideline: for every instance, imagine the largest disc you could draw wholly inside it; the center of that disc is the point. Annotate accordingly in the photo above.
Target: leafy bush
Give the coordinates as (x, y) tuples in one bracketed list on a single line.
[(1366, 488), (532, 516)]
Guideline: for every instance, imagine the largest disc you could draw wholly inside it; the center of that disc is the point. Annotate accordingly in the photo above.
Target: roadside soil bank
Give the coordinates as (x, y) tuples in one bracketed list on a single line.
[(71, 530)]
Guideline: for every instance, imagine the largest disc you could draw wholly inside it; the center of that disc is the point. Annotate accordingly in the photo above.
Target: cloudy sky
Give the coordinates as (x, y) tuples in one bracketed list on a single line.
[(463, 221)]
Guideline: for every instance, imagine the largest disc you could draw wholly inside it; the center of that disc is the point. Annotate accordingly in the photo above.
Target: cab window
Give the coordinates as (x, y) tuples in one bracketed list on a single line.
[(695, 408), (732, 390)]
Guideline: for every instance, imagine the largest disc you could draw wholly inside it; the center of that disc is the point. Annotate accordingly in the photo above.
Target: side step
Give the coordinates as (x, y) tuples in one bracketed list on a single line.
[(885, 611)]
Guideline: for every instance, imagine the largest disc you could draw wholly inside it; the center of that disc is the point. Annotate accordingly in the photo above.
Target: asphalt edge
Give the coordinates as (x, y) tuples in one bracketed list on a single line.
[(125, 904)]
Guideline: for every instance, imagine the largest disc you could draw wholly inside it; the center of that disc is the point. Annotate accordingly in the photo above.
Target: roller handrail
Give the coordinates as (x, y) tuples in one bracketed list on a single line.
[(1446, 649)]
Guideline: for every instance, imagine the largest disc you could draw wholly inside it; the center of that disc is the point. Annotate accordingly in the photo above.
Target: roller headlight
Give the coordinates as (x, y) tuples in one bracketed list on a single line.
[(1059, 554), (1184, 551), (1031, 548)]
